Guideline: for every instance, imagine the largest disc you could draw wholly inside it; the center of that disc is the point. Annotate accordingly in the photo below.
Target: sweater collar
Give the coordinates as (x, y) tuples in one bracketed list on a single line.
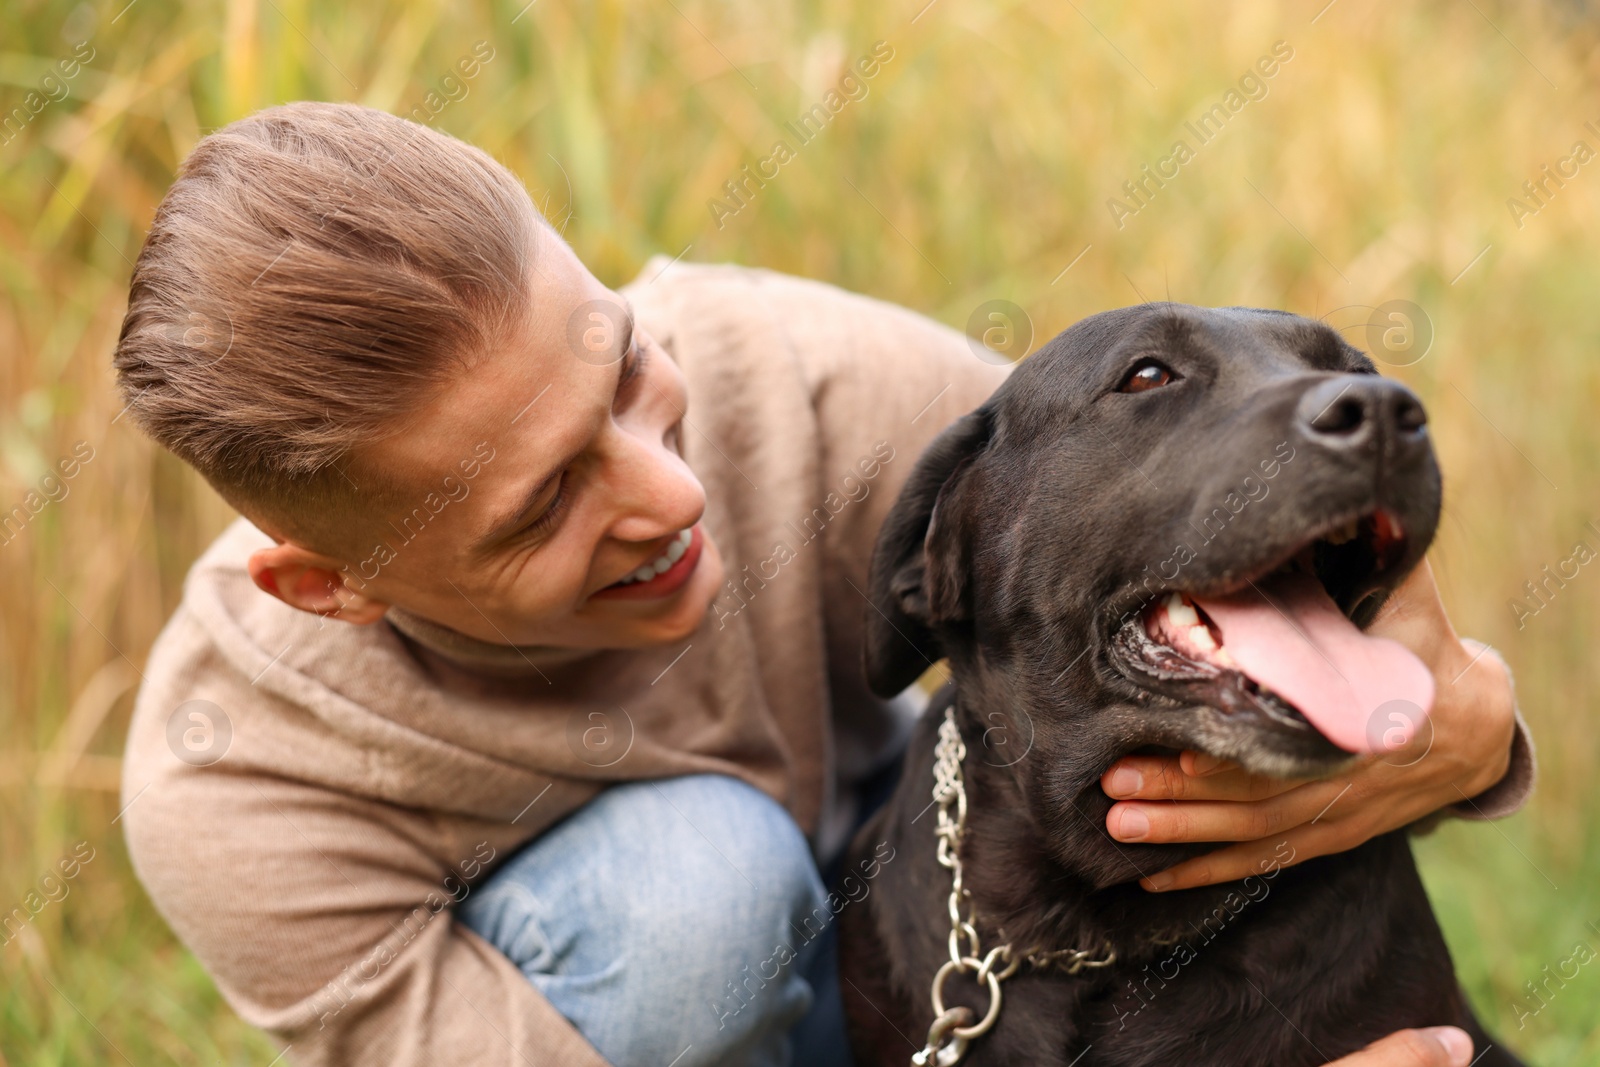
[(483, 657)]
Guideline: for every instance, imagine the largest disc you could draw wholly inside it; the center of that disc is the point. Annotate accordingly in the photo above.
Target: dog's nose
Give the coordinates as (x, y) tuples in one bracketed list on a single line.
[(1344, 412)]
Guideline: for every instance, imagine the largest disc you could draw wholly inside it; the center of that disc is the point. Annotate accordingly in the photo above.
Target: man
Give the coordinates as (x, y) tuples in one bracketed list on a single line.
[(517, 718)]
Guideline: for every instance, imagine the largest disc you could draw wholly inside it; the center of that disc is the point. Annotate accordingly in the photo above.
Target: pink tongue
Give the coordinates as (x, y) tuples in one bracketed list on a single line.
[(1365, 694)]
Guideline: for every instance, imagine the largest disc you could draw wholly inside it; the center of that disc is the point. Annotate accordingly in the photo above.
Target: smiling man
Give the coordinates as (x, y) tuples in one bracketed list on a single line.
[(588, 489), (445, 756)]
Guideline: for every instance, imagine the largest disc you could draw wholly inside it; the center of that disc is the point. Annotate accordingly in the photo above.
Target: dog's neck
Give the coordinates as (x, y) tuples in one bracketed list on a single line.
[(1041, 866)]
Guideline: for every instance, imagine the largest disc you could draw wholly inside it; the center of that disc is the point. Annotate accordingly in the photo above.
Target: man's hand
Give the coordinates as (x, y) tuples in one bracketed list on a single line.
[(1437, 1046), (1462, 750)]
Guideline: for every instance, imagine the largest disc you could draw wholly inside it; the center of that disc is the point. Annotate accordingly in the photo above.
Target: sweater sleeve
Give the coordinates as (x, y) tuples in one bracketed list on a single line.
[(1507, 796), (325, 921)]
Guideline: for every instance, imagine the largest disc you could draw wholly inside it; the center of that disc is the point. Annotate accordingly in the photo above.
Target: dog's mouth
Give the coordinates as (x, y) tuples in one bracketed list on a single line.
[(1282, 645)]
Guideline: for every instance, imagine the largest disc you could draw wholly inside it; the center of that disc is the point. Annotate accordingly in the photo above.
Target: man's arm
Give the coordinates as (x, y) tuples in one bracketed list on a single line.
[(879, 373), (325, 921), (885, 381)]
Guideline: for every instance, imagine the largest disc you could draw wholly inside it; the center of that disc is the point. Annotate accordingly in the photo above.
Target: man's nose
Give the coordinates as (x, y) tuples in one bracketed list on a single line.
[(656, 491)]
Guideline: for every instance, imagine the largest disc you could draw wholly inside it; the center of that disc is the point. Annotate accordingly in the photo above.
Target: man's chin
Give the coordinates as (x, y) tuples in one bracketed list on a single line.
[(691, 603), (646, 623)]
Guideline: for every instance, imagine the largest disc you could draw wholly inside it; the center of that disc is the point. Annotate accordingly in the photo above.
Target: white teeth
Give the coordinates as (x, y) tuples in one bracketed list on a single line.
[(675, 550), (1184, 617), (1181, 612)]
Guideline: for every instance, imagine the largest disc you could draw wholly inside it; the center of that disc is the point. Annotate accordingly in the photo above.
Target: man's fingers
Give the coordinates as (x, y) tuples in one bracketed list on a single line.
[(1437, 1046), (1154, 778), (1263, 857), (1203, 765), (1229, 865), (1229, 819)]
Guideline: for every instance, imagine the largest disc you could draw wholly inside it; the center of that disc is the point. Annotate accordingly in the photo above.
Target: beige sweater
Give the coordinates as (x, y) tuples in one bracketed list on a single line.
[(374, 773)]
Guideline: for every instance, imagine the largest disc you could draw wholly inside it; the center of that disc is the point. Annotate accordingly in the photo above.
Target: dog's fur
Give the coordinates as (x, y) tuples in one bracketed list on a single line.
[(1028, 535)]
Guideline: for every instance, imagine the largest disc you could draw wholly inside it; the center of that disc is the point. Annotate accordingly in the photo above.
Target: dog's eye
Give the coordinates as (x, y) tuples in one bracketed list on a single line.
[(1147, 374)]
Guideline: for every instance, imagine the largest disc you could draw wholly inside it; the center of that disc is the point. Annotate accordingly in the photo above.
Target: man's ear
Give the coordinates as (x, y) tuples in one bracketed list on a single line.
[(311, 582), (918, 577)]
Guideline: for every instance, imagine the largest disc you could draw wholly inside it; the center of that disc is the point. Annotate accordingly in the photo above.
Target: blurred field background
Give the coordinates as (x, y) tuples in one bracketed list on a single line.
[(977, 167)]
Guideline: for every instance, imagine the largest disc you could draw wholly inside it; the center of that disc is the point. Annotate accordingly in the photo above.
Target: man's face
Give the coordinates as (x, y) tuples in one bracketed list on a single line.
[(557, 482)]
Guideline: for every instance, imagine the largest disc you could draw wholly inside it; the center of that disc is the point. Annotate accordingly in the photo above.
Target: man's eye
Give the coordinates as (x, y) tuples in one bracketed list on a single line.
[(1147, 374), (632, 374), (552, 512)]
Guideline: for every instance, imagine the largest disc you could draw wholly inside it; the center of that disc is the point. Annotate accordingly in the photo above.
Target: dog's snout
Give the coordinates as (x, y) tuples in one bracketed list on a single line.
[(1348, 410)]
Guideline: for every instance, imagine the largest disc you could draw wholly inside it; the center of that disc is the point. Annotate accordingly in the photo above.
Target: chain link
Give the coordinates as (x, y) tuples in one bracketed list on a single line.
[(953, 1028)]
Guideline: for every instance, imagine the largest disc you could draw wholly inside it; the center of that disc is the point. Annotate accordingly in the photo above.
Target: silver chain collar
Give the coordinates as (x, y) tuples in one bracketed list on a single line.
[(953, 1028)]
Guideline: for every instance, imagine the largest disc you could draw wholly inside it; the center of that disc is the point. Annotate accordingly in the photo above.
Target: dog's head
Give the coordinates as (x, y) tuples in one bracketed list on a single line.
[(1166, 530)]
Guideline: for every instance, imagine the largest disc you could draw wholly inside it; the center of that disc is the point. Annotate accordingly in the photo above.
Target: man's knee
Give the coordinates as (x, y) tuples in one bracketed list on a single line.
[(751, 901), (738, 880), (734, 837), (723, 900)]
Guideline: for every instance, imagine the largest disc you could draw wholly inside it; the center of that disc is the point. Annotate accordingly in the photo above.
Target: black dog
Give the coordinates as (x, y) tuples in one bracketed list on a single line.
[(1162, 533)]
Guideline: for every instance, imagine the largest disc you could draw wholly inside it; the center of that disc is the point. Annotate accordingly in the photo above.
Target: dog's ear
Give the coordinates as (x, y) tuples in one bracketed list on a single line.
[(917, 579)]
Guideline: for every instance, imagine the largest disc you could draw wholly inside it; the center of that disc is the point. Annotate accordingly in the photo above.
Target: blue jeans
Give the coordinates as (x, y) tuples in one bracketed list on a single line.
[(675, 923)]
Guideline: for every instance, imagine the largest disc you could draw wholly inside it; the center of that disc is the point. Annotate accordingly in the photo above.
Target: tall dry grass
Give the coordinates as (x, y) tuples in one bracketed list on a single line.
[(978, 166)]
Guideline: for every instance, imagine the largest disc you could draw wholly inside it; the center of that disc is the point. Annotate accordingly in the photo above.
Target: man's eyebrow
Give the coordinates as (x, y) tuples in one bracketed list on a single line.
[(509, 522)]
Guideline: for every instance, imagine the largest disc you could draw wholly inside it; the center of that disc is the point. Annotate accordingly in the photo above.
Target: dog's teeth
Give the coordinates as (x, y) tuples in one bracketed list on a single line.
[(1201, 636), (1181, 612), (1345, 533)]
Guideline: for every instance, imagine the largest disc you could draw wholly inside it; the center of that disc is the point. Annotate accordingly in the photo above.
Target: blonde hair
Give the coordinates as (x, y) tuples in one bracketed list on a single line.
[(315, 273)]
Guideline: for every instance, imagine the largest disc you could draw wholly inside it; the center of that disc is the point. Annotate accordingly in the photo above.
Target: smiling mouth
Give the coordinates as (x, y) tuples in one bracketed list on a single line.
[(1282, 644), (663, 575), (663, 563)]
